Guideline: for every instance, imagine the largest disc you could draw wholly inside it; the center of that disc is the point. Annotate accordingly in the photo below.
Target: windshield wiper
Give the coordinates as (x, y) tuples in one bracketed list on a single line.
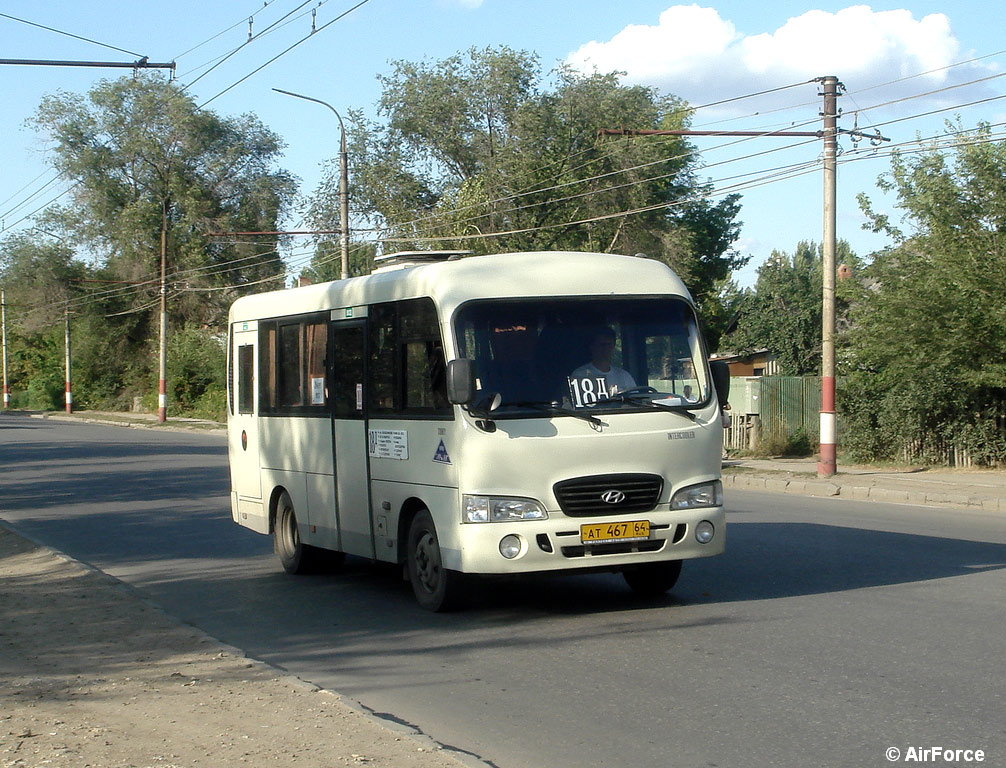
[(648, 396), (554, 407)]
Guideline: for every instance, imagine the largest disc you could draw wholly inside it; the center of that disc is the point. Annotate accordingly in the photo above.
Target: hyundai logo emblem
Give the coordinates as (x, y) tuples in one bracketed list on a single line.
[(612, 497)]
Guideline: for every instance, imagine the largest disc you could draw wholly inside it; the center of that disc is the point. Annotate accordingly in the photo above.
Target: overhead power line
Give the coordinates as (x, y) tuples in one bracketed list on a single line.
[(286, 51), (68, 34)]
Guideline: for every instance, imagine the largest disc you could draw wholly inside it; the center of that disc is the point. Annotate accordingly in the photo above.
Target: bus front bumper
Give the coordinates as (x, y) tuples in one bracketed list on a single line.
[(564, 543)]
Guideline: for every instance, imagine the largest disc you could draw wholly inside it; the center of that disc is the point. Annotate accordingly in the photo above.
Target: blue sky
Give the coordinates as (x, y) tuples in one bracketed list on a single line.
[(907, 67)]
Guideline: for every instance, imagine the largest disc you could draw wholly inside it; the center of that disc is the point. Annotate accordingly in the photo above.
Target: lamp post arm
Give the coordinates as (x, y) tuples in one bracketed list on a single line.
[(343, 178)]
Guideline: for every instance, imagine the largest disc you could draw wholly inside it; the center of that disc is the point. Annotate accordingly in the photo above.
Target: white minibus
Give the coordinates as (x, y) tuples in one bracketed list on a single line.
[(483, 415)]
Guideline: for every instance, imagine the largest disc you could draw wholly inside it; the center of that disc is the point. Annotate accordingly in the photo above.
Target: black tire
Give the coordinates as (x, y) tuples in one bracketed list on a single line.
[(652, 579), (436, 588), (296, 556)]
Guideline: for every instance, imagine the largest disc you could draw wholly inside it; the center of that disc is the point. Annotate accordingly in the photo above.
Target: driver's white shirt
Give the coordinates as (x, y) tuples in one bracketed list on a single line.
[(615, 380)]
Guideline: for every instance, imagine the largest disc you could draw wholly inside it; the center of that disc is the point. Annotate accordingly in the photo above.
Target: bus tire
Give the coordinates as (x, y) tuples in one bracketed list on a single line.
[(652, 579), (436, 588), (295, 556)]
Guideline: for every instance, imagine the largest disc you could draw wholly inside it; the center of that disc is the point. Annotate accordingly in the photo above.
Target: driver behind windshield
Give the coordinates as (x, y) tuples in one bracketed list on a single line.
[(606, 379)]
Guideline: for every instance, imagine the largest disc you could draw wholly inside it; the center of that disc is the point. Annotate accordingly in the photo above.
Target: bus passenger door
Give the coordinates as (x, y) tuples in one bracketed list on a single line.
[(349, 434), (246, 480)]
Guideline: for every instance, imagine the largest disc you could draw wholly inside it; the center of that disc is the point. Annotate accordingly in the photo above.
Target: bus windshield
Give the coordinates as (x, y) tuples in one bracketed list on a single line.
[(551, 355)]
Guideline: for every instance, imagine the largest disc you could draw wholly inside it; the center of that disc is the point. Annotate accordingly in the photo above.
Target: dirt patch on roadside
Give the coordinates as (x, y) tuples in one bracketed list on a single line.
[(91, 676)]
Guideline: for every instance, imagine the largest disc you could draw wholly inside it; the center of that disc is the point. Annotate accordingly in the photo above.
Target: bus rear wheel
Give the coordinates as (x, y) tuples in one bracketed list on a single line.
[(436, 588), (295, 556), (652, 579)]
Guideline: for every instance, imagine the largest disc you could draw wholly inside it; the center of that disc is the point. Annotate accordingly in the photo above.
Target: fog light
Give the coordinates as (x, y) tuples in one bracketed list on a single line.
[(704, 532), (510, 546)]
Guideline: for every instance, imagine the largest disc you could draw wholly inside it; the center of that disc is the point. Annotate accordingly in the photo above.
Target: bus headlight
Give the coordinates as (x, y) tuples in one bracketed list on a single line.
[(698, 496), (500, 509)]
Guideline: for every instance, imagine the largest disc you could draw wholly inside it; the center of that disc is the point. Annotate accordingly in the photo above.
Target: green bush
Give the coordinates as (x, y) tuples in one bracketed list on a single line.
[(212, 405), (781, 442), (926, 419), (196, 366)]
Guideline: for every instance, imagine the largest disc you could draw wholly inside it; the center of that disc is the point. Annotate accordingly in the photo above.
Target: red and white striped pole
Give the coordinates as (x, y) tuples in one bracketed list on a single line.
[(3, 313), (162, 384), (69, 388), (827, 465)]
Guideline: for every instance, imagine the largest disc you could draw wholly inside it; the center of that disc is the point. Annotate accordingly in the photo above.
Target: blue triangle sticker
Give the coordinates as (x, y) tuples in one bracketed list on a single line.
[(441, 454)]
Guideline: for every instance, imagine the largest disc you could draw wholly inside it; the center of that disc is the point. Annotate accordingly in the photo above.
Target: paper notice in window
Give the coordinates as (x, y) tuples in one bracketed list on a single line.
[(318, 390)]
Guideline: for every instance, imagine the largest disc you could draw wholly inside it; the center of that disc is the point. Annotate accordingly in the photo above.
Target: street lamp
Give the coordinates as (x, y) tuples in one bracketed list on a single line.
[(343, 180)]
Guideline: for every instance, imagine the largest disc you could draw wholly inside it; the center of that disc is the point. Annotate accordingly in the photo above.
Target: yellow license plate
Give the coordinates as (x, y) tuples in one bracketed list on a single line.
[(606, 533)]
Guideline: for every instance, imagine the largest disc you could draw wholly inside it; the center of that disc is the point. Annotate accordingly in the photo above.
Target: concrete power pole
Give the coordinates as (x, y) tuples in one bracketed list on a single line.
[(3, 314), (69, 388), (162, 383), (827, 465)]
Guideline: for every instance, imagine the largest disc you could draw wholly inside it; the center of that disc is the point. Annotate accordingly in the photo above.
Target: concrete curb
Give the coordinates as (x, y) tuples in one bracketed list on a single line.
[(172, 425), (848, 488)]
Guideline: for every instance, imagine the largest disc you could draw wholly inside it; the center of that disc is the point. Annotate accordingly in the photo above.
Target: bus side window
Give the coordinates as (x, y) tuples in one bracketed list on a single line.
[(292, 355), (407, 362), (290, 370), (246, 379), (315, 343), (383, 333)]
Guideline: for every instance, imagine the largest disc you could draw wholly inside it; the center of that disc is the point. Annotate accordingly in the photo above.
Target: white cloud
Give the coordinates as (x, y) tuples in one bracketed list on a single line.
[(694, 52)]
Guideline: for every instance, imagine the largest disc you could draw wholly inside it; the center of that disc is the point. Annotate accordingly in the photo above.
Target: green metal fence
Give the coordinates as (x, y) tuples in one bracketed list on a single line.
[(787, 403)]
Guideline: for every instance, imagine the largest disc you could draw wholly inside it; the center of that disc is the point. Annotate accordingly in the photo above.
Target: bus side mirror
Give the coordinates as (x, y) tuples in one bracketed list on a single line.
[(461, 381), (721, 380)]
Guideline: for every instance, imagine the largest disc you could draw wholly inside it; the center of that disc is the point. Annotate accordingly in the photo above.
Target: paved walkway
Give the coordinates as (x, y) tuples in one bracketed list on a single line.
[(980, 489)]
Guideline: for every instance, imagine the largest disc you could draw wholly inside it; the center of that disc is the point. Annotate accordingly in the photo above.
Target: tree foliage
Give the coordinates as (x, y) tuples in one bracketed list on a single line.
[(474, 152), (783, 312), (927, 360), (141, 157)]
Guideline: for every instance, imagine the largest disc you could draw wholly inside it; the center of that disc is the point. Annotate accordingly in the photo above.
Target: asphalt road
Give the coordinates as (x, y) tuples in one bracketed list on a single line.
[(829, 632)]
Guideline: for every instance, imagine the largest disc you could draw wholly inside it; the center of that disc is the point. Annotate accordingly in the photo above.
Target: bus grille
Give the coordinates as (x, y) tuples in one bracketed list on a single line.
[(608, 494)]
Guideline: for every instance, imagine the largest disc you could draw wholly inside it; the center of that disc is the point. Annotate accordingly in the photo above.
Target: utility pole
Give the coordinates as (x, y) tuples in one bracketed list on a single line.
[(69, 389), (3, 315), (343, 180), (827, 465), (162, 383)]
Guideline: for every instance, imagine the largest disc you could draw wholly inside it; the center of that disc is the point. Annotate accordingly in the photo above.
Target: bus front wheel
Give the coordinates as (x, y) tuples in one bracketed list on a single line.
[(436, 588), (652, 579)]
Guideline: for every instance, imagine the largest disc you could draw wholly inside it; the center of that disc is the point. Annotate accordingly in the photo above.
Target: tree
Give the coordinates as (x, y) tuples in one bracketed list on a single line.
[(927, 359), (142, 157), (783, 312), (474, 153), (326, 263)]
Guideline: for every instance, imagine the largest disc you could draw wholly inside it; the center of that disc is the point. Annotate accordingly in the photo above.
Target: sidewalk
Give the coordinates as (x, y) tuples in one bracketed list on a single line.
[(975, 489), (96, 676), (140, 420)]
